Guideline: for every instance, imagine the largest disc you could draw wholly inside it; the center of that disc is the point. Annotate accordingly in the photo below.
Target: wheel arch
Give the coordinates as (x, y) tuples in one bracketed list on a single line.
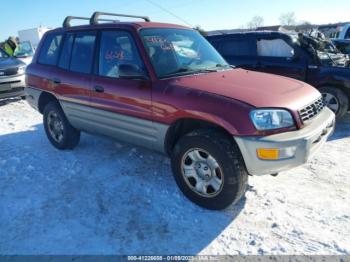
[(184, 126), (44, 99)]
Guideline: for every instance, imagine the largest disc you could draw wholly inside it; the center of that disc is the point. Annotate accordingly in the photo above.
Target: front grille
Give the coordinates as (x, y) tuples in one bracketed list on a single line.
[(13, 90), (312, 110), (8, 71)]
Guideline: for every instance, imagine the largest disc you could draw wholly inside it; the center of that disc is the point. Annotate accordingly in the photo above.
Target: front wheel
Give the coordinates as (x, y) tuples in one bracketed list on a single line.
[(209, 169), (58, 130), (336, 100)]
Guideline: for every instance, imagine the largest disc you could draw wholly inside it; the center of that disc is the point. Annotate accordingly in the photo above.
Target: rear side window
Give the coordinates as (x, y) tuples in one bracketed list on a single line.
[(237, 47), (83, 52), (50, 49), (66, 51), (274, 48)]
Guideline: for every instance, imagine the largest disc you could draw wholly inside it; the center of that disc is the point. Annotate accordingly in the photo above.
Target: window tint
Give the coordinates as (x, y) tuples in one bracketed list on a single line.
[(50, 49), (66, 51), (118, 48), (274, 48), (83, 52), (237, 47)]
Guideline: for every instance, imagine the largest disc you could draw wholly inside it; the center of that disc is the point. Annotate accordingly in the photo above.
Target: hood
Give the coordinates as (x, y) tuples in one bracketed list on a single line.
[(254, 88), (10, 62)]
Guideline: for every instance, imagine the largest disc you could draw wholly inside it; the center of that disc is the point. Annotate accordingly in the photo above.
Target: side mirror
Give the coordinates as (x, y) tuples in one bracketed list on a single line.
[(130, 71)]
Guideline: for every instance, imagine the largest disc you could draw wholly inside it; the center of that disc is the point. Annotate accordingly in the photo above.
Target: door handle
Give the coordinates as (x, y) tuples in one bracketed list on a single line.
[(56, 81), (99, 89)]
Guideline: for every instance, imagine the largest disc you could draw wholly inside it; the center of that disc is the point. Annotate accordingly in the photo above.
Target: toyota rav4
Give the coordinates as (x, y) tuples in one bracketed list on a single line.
[(164, 87)]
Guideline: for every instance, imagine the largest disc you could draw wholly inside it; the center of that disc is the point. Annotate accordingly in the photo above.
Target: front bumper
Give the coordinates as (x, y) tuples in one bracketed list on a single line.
[(12, 86), (306, 141)]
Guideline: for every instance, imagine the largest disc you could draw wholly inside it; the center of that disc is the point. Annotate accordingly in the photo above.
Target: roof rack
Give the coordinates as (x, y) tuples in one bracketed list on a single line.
[(95, 18), (68, 19)]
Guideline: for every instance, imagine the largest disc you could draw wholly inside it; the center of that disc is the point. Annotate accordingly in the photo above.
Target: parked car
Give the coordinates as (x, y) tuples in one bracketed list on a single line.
[(343, 33), (24, 52), (342, 45), (11, 76), (164, 87), (294, 56)]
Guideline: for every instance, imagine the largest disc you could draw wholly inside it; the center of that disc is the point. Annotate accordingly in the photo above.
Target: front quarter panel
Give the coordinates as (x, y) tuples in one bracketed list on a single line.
[(172, 102)]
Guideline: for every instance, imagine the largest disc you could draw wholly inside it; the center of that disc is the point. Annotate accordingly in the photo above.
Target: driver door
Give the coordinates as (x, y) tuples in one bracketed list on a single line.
[(277, 56), (120, 106)]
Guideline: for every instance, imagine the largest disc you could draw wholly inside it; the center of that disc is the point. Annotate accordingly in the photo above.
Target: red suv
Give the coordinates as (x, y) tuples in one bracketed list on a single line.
[(165, 87)]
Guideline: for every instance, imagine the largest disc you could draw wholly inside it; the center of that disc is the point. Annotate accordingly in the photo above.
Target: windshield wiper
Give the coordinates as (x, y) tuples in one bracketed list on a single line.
[(187, 70)]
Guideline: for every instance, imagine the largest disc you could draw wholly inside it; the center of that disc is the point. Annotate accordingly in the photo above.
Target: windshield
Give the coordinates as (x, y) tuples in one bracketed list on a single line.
[(180, 51), (3, 54), (24, 49)]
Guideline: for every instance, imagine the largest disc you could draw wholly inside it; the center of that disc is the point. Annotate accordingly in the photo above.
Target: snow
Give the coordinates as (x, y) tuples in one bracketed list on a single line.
[(106, 197)]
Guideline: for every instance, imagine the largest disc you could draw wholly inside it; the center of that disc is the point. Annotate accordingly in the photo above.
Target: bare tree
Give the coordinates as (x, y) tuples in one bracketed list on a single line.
[(200, 30), (256, 22), (288, 19)]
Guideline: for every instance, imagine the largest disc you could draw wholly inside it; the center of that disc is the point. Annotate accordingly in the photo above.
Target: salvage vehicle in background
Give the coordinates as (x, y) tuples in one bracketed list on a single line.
[(166, 88), (290, 55), (12, 78), (343, 33)]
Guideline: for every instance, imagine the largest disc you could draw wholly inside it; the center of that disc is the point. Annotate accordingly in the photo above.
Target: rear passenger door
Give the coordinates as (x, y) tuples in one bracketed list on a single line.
[(73, 75), (238, 51), (278, 56), (120, 105)]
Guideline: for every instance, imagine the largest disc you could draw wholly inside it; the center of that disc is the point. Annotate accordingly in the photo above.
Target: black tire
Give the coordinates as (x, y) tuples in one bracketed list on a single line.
[(227, 155), (341, 98), (70, 135)]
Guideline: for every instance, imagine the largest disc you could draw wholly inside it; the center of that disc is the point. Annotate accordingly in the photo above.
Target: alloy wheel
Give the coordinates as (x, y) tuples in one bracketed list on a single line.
[(331, 102)]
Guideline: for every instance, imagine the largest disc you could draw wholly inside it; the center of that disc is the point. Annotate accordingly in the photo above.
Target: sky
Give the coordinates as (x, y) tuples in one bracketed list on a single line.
[(208, 14)]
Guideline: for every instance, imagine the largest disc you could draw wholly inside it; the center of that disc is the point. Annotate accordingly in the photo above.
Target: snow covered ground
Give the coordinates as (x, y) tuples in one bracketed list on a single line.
[(110, 198)]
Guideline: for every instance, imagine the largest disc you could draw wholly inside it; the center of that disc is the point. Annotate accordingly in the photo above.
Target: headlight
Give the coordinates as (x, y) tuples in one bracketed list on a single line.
[(21, 70), (267, 119)]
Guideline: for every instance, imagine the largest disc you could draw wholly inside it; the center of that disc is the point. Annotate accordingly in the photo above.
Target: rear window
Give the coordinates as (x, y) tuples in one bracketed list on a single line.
[(237, 47), (83, 52), (50, 49)]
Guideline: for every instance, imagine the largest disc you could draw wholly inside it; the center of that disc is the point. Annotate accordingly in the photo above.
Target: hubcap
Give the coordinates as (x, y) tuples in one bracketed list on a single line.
[(202, 172), (55, 126), (331, 101)]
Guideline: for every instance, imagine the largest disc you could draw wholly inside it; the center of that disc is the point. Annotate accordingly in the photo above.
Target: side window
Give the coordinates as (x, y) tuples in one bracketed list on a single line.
[(83, 52), (118, 48), (347, 35), (50, 49), (66, 51), (274, 48), (237, 47)]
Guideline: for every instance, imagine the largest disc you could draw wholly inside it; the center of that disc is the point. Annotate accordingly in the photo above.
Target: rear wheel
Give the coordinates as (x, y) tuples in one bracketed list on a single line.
[(336, 100), (209, 169), (58, 130)]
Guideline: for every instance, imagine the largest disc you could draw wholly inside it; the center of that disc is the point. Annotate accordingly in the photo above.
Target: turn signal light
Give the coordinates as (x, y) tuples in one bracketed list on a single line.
[(276, 153), (268, 153)]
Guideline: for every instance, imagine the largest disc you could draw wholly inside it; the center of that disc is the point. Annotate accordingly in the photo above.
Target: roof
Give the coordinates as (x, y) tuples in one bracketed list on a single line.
[(129, 25)]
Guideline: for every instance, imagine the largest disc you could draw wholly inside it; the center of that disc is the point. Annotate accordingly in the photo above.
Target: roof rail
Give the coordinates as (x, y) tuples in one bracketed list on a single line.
[(96, 17), (68, 19)]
